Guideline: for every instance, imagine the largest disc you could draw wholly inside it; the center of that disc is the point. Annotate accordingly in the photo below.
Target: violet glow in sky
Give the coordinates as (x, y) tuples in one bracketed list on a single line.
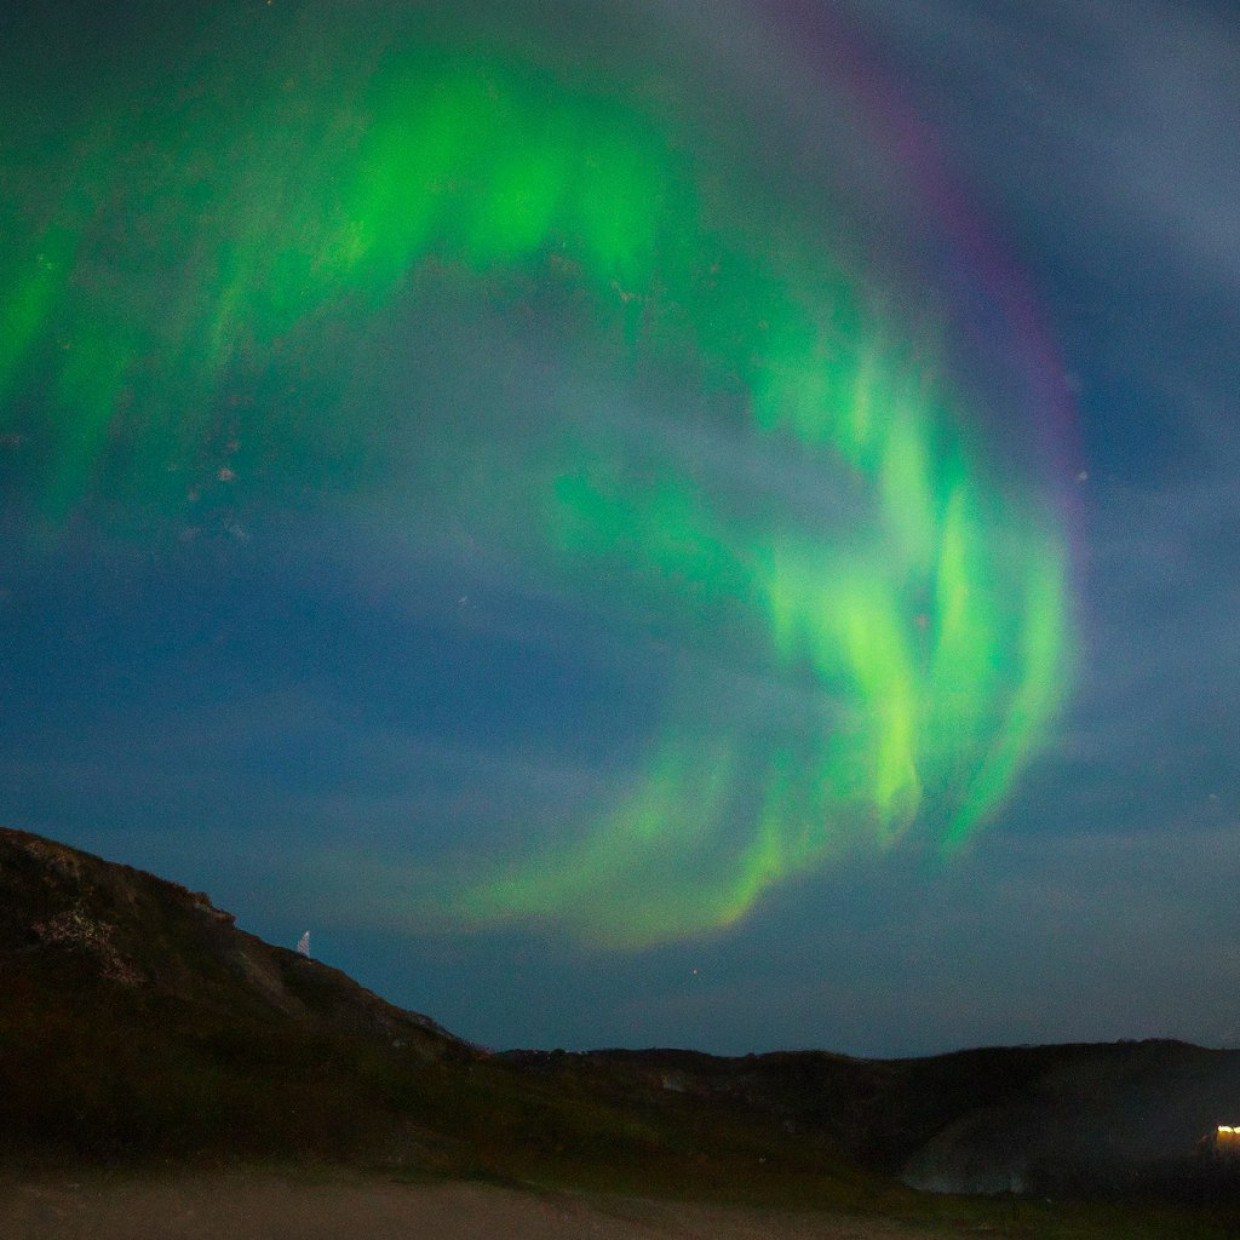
[(578, 510)]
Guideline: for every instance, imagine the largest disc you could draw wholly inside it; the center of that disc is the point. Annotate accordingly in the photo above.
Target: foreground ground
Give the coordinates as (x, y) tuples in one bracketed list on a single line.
[(253, 1206)]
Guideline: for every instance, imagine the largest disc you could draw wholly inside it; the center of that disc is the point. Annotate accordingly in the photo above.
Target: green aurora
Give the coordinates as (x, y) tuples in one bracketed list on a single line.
[(193, 276)]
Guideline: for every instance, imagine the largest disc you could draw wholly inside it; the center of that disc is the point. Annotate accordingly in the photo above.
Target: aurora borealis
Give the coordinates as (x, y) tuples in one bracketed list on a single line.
[(569, 500)]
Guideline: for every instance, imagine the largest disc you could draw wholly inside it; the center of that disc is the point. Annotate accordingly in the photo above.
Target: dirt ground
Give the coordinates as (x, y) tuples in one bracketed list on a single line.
[(268, 1207)]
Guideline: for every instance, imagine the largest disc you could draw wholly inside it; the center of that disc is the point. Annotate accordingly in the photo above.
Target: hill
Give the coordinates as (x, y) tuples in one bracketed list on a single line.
[(138, 1023), (1112, 1120), (135, 1018)]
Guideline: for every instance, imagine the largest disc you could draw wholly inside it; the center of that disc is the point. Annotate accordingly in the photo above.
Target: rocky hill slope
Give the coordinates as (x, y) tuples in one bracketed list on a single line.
[(135, 1016), (80, 922)]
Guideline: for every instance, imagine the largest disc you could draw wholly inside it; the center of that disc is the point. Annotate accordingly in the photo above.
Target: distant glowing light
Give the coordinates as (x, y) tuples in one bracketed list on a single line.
[(929, 622)]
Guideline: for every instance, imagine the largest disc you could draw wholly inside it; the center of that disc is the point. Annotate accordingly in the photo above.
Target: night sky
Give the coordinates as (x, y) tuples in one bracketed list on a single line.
[(710, 523)]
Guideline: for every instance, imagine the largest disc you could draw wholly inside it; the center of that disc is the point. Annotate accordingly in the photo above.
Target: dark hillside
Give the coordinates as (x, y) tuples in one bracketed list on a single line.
[(67, 915), (135, 1017), (1089, 1120), (137, 1022)]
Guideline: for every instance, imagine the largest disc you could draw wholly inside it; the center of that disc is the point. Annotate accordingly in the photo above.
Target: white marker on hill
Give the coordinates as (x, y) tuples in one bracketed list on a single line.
[(303, 944)]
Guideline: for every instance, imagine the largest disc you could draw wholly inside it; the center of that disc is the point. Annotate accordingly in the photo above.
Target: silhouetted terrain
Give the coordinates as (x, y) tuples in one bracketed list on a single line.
[(136, 1018), (1108, 1120), (138, 1023)]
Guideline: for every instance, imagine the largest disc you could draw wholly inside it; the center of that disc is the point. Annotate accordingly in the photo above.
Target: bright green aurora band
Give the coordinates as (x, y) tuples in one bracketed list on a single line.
[(193, 279)]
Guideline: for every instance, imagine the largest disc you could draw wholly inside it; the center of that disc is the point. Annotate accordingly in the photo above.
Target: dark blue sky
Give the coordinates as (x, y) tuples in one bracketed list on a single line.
[(342, 670)]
